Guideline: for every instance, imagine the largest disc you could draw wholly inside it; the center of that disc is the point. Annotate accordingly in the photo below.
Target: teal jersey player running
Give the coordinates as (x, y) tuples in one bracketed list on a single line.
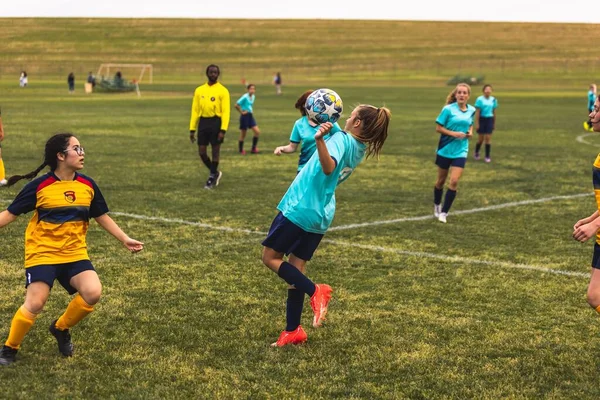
[(486, 105), (313, 190), (246, 102), (457, 120), (303, 133), (308, 207)]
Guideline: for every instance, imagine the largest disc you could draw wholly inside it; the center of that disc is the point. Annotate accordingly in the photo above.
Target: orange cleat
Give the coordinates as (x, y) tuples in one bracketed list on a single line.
[(297, 336), (319, 302)]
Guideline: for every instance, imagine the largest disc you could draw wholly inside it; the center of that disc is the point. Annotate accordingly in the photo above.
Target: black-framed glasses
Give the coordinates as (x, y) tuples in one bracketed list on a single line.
[(77, 149)]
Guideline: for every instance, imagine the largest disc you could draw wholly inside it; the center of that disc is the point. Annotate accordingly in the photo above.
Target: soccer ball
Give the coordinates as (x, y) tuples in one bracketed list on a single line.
[(323, 105)]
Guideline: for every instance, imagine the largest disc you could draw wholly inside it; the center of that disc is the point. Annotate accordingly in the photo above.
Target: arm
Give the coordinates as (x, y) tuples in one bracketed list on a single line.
[(110, 226), (327, 162), (290, 148), (237, 107), (1, 130), (225, 111), (477, 115), (585, 231), (195, 115), (6, 217), (586, 220), (447, 132)]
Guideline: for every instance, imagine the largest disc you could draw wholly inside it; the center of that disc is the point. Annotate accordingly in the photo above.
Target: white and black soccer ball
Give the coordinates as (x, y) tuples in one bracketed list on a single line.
[(323, 105)]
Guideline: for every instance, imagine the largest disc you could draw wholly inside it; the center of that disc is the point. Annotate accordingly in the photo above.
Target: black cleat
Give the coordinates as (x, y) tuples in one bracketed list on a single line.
[(213, 180), (8, 355), (65, 346)]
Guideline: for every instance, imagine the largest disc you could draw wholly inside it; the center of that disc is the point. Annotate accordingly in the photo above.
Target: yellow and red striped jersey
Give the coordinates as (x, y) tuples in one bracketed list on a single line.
[(56, 233)]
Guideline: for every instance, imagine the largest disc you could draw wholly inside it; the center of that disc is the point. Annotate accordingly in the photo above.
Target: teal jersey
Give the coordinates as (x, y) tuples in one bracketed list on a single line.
[(486, 106), (303, 132), (591, 101), (246, 102), (310, 200), (454, 119)]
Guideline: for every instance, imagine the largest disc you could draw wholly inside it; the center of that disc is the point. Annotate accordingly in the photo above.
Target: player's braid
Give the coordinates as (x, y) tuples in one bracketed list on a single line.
[(56, 144)]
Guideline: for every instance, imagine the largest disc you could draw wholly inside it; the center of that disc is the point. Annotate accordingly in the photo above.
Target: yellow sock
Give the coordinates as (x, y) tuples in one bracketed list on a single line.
[(597, 309), (21, 324), (2, 172), (77, 310)]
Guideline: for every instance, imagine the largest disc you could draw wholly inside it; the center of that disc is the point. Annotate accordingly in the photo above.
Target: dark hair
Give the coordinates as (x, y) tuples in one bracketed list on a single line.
[(213, 66), (56, 144), (301, 101), (374, 127), (250, 85), (486, 86)]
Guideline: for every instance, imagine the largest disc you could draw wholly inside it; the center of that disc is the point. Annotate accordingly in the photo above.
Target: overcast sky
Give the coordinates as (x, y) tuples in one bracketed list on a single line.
[(436, 10)]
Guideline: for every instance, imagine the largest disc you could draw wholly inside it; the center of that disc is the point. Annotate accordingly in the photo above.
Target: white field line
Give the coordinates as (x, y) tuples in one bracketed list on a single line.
[(458, 259), (459, 212), (581, 138)]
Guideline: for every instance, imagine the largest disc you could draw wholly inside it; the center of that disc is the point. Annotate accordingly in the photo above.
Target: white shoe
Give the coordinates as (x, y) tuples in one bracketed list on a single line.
[(442, 217), (437, 210), (3, 182)]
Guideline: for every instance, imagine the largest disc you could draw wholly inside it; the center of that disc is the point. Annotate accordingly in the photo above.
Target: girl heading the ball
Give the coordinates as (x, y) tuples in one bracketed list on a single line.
[(303, 133), (455, 126), (307, 209), (63, 201)]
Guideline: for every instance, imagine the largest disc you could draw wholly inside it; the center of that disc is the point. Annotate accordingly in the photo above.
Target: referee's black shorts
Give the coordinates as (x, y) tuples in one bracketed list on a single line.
[(208, 131)]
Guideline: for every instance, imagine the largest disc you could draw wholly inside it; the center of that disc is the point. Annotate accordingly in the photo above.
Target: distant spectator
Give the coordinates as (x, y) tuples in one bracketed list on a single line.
[(23, 79), (277, 82), (91, 79), (71, 82)]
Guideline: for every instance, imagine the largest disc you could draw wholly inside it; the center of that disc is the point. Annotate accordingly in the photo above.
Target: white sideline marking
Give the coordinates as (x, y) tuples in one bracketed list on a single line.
[(581, 138), (458, 259), (459, 212), (184, 222)]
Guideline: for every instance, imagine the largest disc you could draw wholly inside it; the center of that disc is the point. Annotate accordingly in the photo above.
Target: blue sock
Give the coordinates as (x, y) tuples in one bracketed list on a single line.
[(450, 196), (294, 277), (294, 305), (437, 195), (477, 148), (488, 150)]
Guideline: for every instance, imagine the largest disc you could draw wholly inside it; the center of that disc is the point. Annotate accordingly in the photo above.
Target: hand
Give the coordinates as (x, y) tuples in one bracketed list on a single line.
[(244, 112), (584, 232), (133, 245), (582, 221), (469, 135), (323, 130), (278, 150), (221, 136), (192, 136)]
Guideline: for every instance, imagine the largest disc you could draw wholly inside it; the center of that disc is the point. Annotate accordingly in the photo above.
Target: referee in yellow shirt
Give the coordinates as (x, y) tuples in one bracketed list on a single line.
[(210, 115)]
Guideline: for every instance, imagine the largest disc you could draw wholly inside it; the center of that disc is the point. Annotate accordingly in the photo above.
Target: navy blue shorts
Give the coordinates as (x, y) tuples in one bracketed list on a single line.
[(61, 272), (285, 237), (446, 163), (247, 121), (596, 257), (486, 125)]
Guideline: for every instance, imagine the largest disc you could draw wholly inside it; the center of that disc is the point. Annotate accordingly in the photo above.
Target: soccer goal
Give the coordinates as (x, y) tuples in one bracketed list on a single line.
[(138, 70)]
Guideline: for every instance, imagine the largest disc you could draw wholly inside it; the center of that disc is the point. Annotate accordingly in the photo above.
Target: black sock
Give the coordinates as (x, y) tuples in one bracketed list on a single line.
[(477, 148), (294, 277), (450, 196), (488, 150), (241, 145), (254, 142), (437, 195), (294, 305), (206, 160), (214, 167)]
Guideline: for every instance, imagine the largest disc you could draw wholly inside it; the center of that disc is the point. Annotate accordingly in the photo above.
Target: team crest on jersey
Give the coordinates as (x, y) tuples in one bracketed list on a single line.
[(70, 196), (212, 99)]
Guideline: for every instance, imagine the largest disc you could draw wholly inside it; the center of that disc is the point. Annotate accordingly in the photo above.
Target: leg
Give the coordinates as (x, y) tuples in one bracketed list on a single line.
[(295, 299), (455, 174), (488, 146), (89, 290), (480, 139), (593, 292), (255, 138), (288, 272), (438, 189), (216, 153), (2, 171), (241, 141), (35, 299), (202, 152)]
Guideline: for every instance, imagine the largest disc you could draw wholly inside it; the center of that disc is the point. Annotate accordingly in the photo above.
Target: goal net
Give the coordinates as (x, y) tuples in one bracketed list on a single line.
[(131, 72)]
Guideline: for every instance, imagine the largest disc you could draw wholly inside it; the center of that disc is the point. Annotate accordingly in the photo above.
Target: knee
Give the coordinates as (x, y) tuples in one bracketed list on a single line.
[(593, 298), (92, 295), (453, 184), (35, 305)]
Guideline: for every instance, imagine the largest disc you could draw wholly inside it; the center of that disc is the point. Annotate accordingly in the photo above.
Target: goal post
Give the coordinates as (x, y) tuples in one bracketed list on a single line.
[(144, 70)]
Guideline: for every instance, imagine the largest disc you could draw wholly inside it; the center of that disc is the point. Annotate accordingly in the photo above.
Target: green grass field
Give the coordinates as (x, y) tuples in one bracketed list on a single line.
[(421, 310)]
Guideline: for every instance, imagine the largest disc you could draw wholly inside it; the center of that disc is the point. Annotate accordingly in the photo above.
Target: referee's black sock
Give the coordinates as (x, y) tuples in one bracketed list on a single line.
[(206, 160), (214, 167)]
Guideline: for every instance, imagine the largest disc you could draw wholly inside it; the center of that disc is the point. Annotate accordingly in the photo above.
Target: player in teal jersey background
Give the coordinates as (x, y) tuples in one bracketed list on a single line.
[(485, 121), (591, 99), (245, 105)]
